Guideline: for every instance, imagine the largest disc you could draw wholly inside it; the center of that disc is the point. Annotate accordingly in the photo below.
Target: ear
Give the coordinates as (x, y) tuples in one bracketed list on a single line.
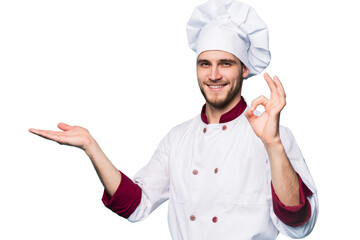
[(245, 71)]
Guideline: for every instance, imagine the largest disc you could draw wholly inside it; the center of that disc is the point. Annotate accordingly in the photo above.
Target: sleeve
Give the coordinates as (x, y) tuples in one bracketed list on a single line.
[(284, 219), (293, 216), (126, 198), (154, 181)]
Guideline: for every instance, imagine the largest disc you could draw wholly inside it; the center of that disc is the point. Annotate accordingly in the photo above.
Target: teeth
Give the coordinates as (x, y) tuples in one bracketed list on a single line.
[(215, 87)]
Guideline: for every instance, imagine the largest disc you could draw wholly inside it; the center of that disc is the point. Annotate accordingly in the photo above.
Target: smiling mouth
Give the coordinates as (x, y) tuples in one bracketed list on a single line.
[(216, 88)]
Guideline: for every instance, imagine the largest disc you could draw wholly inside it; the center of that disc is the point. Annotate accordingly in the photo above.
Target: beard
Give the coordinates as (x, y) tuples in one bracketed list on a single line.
[(223, 103)]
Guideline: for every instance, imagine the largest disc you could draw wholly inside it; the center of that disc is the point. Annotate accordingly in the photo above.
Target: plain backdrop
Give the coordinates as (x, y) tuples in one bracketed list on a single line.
[(123, 70)]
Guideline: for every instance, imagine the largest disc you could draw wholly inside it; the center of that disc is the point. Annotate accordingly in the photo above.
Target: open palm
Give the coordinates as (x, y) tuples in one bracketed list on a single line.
[(71, 135)]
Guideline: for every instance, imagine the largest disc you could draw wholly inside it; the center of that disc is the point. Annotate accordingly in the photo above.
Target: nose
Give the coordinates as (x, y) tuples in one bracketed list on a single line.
[(214, 74)]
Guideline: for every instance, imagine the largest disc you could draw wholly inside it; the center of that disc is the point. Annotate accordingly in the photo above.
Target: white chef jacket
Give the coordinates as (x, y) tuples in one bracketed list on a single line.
[(218, 182)]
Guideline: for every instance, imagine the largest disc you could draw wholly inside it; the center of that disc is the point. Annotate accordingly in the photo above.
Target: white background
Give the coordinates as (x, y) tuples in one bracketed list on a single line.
[(123, 70)]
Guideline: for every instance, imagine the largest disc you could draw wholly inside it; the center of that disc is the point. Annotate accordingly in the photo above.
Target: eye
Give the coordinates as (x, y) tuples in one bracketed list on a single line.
[(227, 64), (204, 64)]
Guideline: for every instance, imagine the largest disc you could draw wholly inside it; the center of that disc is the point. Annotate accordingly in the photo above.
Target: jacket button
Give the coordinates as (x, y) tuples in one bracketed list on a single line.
[(216, 170), (192, 218), (204, 130), (224, 127), (215, 219), (195, 172)]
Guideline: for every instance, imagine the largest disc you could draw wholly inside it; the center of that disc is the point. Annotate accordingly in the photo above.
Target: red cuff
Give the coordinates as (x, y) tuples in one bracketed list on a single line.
[(293, 216), (126, 198)]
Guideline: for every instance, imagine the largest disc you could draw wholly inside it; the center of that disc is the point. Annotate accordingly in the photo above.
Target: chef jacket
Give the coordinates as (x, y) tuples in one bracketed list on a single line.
[(218, 182)]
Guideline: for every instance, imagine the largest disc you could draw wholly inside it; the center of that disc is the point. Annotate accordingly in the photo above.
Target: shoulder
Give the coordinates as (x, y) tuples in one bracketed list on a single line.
[(189, 124), (289, 142), (183, 128), (286, 134)]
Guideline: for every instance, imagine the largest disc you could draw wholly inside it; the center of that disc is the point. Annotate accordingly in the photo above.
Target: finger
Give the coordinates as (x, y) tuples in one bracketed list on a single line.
[(51, 135), (39, 131), (65, 127), (262, 100), (271, 83), (279, 86), (249, 114), (35, 131)]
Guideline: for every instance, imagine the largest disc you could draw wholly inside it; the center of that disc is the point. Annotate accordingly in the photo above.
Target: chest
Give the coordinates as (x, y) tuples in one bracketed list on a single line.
[(226, 165)]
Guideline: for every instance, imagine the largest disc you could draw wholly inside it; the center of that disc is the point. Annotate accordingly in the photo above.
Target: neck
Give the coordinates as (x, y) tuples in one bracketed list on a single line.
[(213, 114)]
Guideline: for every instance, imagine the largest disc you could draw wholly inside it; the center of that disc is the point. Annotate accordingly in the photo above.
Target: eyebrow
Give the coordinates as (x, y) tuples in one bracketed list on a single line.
[(228, 60), (202, 60), (221, 60)]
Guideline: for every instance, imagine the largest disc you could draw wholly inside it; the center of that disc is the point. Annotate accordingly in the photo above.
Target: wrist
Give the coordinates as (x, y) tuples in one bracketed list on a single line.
[(275, 148), (273, 143), (90, 146)]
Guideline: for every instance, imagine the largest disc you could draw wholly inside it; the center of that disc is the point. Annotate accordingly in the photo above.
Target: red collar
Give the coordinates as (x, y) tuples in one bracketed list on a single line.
[(230, 115)]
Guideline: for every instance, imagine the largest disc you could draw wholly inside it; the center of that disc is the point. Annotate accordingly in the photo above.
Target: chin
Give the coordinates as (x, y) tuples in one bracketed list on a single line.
[(220, 101), (220, 104)]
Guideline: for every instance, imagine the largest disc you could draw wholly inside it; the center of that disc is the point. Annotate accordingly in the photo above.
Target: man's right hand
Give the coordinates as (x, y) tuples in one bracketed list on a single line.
[(71, 135), (80, 137)]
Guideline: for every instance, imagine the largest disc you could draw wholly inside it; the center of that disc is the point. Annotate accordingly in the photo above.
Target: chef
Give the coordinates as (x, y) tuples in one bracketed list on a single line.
[(231, 172)]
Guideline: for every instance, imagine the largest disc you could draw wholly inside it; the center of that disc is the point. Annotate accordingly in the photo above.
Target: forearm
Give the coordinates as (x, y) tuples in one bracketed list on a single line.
[(80, 137), (109, 175), (284, 178)]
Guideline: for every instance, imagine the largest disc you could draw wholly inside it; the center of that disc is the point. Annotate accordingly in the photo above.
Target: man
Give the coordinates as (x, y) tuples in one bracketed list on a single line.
[(230, 172)]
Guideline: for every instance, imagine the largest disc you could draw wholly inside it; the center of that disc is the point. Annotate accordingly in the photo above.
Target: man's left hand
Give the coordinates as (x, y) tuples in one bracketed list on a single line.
[(266, 125)]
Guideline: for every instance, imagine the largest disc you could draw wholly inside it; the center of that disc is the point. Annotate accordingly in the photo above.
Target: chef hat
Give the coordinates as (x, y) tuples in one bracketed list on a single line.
[(230, 26)]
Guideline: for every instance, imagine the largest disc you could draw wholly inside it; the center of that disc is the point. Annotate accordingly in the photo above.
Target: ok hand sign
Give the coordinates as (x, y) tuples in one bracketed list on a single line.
[(266, 126)]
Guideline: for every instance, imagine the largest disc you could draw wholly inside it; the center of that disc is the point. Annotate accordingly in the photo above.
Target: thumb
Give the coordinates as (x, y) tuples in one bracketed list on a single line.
[(249, 113), (64, 126)]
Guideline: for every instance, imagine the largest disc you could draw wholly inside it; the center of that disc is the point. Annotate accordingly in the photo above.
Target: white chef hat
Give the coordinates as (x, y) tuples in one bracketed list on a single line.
[(230, 26)]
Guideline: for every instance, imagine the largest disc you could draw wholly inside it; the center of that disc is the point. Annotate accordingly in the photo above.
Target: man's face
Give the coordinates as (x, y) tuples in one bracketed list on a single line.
[(220, 75)]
